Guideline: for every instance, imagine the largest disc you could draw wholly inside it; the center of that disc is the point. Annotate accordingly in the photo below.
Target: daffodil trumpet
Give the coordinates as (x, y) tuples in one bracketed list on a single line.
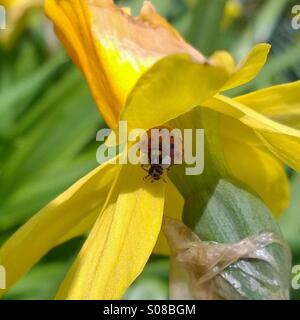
[(140, 70)]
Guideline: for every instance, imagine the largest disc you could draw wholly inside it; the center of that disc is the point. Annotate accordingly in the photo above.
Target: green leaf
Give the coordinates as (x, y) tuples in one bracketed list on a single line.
[(230, 215), (43, 157), (148, 289), (152, 284), (205, 25), (289, 222), (260, 27), (166, 8), (36, 192), (220, 209), (14, 99), (40, 283), (279, 63)]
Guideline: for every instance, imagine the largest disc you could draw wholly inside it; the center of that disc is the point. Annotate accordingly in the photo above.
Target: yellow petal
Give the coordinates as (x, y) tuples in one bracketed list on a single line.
[(249, 67), (233, 129), (281, 140), (254, 165), (281, 103), (223, 58), (173, 86), (121, 241), (64, 218), (113, 48), (173, 208)]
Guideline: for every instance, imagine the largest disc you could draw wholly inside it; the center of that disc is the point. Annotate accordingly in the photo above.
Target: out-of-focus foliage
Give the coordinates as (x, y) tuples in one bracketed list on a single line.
[(48, 121)]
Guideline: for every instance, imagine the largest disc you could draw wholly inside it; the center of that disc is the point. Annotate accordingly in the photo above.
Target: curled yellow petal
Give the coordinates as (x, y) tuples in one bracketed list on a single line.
[(173, 86), (64, 218), (281, 103), (252, 164), (281, 140), (121, 241), (112, 48), (249, 67)]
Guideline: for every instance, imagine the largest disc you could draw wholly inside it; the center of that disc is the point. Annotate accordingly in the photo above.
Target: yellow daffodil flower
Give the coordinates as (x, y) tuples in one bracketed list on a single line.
[(140, 70), (16, 10)]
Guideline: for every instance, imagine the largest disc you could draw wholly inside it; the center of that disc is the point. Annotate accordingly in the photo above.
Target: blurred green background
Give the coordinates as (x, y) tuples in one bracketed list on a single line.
[(48, 120)]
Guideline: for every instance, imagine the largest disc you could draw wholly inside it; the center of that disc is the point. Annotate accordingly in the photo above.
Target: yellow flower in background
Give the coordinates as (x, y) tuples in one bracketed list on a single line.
[(16, 11), (140, 70), (232, 11)]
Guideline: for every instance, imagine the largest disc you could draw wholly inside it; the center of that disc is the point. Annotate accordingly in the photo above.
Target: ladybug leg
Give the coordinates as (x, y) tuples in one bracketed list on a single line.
[(145, 167), (146, 177), (169, 167)]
